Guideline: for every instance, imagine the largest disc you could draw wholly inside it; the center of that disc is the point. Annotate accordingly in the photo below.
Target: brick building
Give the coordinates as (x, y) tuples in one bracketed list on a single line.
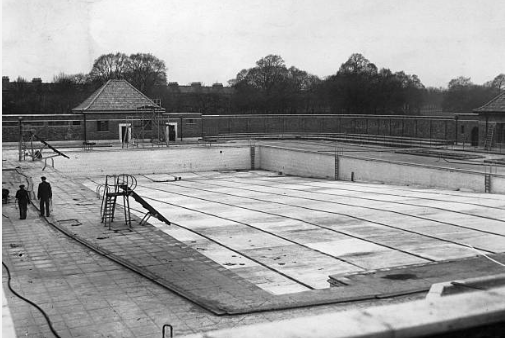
[(117, 110), (492, 123)]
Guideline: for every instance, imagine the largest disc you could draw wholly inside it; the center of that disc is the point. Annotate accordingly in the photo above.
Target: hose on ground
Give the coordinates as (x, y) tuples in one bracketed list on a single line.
[(29, 301)]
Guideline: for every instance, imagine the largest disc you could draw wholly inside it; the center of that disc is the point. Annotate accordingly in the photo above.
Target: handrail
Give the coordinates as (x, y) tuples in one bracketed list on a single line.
[(171, 330)]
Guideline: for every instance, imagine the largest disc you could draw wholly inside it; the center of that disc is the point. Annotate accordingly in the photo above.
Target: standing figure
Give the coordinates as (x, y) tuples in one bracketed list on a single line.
[(23, 199), (44, 194)]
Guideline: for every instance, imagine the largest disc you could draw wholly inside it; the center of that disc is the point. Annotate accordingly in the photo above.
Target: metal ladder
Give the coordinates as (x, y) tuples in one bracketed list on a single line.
[(487, 183), (489, 172), (490, 136), (253, 157), (116, 185), (108, 207), (338, 153)]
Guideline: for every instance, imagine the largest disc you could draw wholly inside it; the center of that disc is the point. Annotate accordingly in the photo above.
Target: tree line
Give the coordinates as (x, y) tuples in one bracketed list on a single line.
[(357, 87)]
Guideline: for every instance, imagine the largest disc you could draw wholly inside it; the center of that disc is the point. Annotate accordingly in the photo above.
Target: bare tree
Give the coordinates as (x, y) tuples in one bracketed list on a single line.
[(499, 82), (271, 87), (357, 63), (142, 70), (463, 96), (109, 66), (145, 71)]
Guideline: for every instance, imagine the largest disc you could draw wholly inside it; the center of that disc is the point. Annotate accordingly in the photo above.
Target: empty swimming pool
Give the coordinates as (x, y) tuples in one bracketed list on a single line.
[(288, 234)]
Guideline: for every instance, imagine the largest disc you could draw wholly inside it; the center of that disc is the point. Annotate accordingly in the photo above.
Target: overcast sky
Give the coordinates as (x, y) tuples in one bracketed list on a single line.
[(212, 40)]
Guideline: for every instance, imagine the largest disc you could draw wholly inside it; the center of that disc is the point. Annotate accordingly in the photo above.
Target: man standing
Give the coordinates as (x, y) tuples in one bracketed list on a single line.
[(23, 199), (44, 194)]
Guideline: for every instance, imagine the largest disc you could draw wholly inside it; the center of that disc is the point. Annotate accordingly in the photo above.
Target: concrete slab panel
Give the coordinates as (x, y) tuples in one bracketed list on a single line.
[(280, 224), (347, 246), (383, 259), (306, 236), (251, 240), (490, 243), (443, 252)]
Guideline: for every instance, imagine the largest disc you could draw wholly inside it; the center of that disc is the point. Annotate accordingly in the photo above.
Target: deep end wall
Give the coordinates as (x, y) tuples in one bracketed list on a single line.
[(348, 168), (296, 162), (154, 161)]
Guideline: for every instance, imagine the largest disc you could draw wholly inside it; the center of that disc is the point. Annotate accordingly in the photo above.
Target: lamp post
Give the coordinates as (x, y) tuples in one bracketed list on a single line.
[(20, 119)]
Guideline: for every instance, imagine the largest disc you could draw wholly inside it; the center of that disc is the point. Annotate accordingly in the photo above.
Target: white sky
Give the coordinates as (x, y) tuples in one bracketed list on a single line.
[(212, 40)]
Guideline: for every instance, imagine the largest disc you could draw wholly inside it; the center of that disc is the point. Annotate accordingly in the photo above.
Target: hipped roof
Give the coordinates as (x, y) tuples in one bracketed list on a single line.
[(116, 95), (496, 105)]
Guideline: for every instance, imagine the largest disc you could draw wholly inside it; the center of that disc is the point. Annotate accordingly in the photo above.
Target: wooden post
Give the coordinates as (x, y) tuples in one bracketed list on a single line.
[(456, 132), (181, 127), (85, 130)]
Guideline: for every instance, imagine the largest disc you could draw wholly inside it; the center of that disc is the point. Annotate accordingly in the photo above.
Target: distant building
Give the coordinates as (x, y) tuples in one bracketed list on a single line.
[(492, 122), (118, 110)]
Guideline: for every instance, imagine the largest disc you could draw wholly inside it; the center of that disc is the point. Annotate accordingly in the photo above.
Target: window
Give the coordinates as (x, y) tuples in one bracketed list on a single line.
[(190, 121), (57, 123), (102, 125), (76, 123), (462, 129)]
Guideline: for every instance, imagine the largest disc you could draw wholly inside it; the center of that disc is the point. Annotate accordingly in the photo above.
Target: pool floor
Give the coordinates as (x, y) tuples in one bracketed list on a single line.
[(288, 234)]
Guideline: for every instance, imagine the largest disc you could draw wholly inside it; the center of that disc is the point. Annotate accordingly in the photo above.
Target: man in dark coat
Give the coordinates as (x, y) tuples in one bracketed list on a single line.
[(44, 194), (23, 199)]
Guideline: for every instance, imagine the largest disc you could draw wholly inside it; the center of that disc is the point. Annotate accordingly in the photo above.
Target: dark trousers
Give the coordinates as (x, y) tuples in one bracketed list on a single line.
[(23, 207), (44, 203)]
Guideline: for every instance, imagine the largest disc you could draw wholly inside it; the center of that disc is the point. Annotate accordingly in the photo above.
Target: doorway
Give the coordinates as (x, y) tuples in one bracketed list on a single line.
[(171, 131), (474, 137), (125, 131)]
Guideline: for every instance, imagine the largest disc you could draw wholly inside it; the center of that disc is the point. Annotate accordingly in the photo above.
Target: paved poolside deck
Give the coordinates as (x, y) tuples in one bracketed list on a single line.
[(86, 294)]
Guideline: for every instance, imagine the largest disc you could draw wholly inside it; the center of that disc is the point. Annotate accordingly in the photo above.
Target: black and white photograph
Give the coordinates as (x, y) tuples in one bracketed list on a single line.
[(251, 169)]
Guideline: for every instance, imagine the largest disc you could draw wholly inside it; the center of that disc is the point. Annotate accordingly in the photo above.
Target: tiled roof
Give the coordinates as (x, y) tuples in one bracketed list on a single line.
[(116, 95), (496, 105)]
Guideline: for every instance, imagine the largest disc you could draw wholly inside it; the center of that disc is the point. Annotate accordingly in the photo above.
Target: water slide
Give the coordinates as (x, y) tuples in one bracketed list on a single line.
[(50, 146), (151, 211)]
